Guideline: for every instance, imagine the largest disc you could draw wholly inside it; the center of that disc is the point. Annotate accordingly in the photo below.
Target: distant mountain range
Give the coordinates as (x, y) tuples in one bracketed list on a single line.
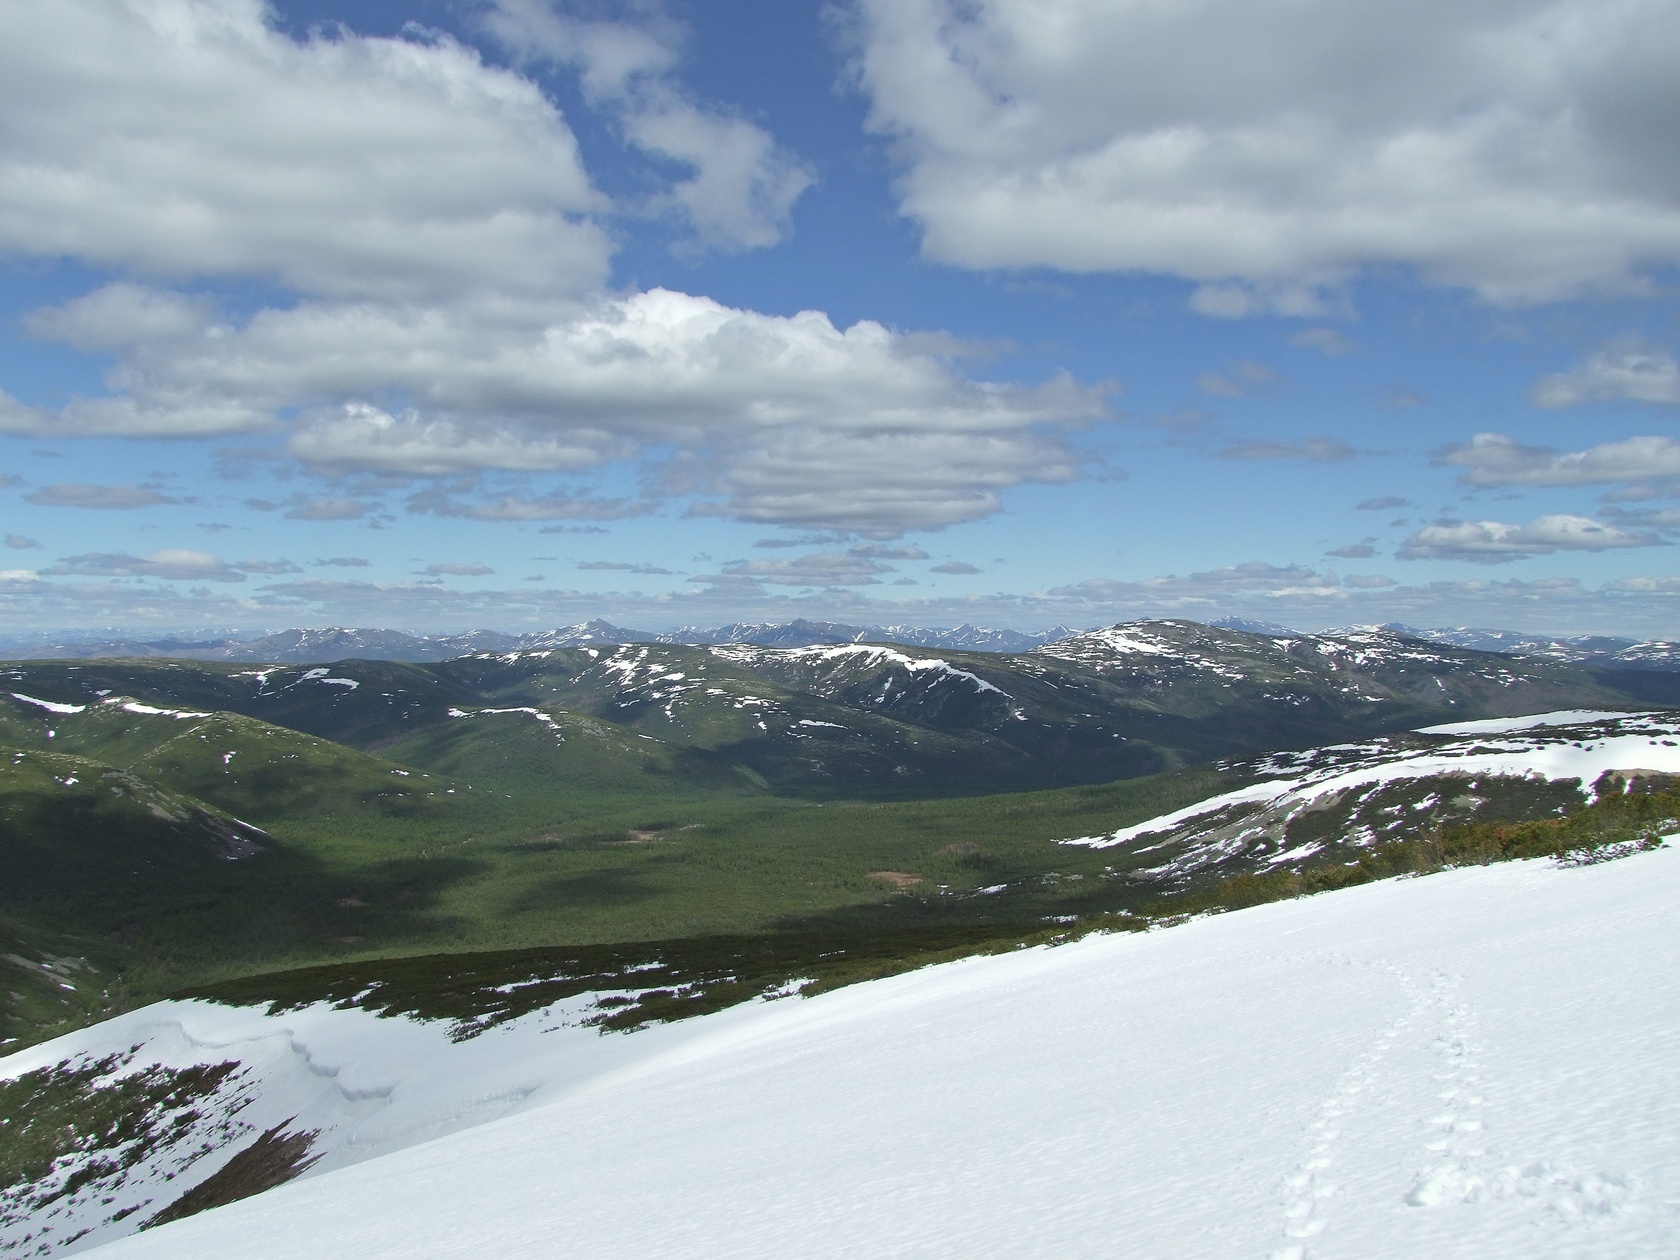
[(321, 646), (857, 720), (1586, 649)]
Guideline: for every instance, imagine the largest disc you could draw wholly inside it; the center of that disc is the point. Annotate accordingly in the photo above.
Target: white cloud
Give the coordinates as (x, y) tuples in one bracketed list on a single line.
[(784, 419), (1644, 586), (1208, 590), (174, 563), (623, 566), (1317, 450), (1493, 459), (743, 186), (458, 570), (1645, 376), (546, 507), (430, 215), (266, 567), (107, 498), (120, 316), (1496, 542), (1513, 147), (328, 508), (17, 418), (359, 435), (1354, 551), (823, 568), (1634, 605), (186, 138)]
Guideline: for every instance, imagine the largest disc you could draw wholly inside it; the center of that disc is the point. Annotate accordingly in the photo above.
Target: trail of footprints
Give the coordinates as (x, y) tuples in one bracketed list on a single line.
[(1455, 1164), (1312, 1184), (1456, 1149)]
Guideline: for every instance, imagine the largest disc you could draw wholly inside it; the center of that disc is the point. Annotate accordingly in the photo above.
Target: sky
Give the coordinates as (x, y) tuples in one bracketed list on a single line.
[(447, 314)]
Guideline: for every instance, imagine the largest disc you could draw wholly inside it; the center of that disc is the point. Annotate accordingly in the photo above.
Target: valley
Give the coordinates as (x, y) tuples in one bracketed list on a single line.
[(617, 837)]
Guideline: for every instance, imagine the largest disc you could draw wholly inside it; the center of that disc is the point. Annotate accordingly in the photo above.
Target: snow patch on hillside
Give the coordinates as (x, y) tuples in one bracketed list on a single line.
[(1500, 726), (51, 706), (1478, 1063), (546, 719), (1568, 745), (863, 655)]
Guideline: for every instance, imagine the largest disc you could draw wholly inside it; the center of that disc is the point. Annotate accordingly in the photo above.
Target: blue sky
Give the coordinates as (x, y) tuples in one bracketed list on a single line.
[(513, 313)]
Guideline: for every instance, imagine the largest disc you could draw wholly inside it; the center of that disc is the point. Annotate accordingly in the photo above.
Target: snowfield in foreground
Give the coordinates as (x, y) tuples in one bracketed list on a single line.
[(1483, 1063)]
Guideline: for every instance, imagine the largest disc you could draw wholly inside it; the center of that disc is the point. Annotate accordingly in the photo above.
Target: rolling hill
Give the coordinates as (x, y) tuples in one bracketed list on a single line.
[(883, 721)]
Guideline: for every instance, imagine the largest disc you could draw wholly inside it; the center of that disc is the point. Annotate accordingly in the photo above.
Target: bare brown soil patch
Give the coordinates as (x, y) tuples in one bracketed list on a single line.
[(898, 879)]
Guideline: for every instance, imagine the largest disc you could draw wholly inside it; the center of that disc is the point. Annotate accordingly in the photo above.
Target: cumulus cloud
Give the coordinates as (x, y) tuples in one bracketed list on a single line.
[(1644, 518), (782, 419), (21, 542), (743, 185), (16, 418), (1317, 450), (957, 567), (1354, 551), (1496, 542), (1512, 147), (1644, 376), (175, 563), (1493, 459), (105, 498), (447, 317), (176, 138)]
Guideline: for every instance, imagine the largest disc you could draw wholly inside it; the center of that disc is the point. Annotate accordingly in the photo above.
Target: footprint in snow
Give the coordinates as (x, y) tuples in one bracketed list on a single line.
[(1456, 1151), (1310, 1187)]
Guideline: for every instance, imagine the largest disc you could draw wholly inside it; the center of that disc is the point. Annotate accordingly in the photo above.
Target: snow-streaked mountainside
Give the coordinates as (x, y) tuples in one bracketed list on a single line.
[(1604, 651), (1481, 1063), (874, 719), (323, 646), (1347, 797), (359, 1077)]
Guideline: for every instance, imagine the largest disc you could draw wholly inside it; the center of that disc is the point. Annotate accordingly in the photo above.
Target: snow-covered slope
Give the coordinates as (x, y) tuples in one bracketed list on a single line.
[(1601, 650), (1352, 796), (1483, 1063)]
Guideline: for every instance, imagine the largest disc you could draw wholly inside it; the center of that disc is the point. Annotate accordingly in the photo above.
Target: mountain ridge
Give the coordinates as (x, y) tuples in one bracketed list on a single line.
[(324, 645)]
